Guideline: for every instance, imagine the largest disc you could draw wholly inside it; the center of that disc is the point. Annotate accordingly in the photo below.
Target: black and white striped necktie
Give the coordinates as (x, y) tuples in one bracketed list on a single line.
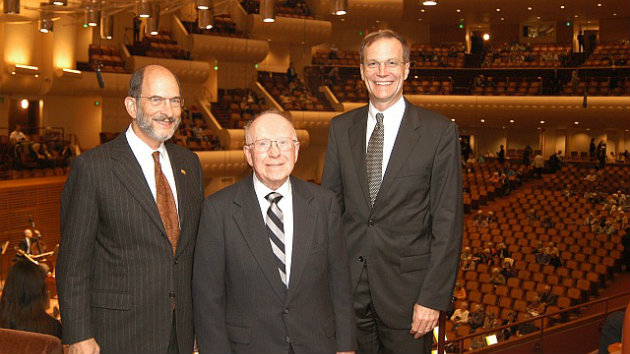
[(374, 158), (275, 230)]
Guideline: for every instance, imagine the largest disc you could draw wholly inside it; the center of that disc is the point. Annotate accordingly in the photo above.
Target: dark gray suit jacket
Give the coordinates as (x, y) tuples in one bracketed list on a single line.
[(240, 303), (411, 237), (116, 273)]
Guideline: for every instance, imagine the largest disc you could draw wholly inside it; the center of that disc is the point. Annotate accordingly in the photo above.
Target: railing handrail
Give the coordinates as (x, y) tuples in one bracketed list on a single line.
[(538, 318)]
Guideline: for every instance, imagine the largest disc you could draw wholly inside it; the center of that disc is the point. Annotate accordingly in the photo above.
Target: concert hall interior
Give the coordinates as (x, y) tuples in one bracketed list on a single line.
[(521, 78)]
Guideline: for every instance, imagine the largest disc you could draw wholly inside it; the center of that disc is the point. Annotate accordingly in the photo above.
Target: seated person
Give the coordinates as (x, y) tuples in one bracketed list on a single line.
[(25, 300), (536, 307), (497, 278), (461, 314), (547, 297), (459, 292), (477, 317)]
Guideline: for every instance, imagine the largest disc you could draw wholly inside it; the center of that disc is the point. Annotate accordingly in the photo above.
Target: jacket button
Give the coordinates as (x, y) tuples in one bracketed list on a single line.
[(176, 261), (171, 294), (371, 222), (285, 311), (360, 259), (287, 339)]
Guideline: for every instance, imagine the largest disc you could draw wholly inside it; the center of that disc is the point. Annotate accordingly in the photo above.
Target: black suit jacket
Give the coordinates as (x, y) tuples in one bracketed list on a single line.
[(117, 276), (411, 238), (240, 303)]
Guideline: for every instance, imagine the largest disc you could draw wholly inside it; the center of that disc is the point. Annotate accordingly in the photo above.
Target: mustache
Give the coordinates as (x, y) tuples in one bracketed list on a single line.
[(163, 118)]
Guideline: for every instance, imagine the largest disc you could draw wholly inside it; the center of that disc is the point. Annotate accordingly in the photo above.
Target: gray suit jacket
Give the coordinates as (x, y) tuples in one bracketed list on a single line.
[(240, 303), (116, 274), (411, 237)]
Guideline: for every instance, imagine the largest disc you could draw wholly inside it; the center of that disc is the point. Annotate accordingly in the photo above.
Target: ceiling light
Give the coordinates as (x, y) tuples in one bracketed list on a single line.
[(153, 22), (11, 7), (205, 19), (588, 128), (562, 6), (529, 8), (339, 7), (23, 69), (453, 119), (45, 19), (458, 10), (203, 4), (498, 10), (538, 17), (59, 2), (599, 5), (267, 11), (576, 122), (542, 122), (107, 27), (502, 19), (576, 16), (615, 14), (429, 2), (486, 37), (482, 120), (92, 17), (511, 120), (144, 8), (419, 19), (24, 103), (421, 10)]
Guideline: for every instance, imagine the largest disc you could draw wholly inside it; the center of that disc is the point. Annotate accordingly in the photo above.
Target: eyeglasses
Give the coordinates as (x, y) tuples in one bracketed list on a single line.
[(158, 101), (263, 145), (389, 64)]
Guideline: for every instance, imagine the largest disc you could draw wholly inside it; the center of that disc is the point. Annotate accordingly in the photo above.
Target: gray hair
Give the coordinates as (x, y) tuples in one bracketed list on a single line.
[(248, 125)]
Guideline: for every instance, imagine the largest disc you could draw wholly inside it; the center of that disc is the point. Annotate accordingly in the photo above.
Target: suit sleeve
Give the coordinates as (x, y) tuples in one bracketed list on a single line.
[(447, 223), (208, 284), (79, 222), (339, 284), (331, 177)]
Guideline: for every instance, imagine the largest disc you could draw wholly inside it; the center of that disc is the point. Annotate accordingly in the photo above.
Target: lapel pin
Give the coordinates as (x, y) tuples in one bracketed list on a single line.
[(182, 171)]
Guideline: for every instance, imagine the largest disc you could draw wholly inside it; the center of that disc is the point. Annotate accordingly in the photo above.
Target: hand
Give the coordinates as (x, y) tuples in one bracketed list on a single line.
[(424, 320), (88, 346)]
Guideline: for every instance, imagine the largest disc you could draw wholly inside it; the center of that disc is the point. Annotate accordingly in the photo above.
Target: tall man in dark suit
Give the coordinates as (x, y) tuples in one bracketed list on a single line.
[(271, 274), (129, 217), (395, 169)]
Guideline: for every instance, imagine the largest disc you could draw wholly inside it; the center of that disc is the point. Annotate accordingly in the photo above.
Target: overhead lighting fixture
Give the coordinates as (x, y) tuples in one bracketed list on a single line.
[(458, 10), (452, 119), (587, 129), (538, 17), (144, 8), (59, 2), (486, 37), (498, 10), (67, 73), (45, 18), (267, 11), (11, 7), (205, 19), (542, 122), (482, 120), (429, 2), (562, 6), (20, 69), (203, 4), (615, 14), (599, 5), (529, 8), (339, 7), (511, 120), (422, 10), (502, 18), (92, 17), (24, 103), (107, 27), (153, 22), (576, 122)]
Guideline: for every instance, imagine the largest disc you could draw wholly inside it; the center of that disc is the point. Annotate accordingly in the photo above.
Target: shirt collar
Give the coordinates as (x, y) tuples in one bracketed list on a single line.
[(262, 190), (140, 147), (397, 109)]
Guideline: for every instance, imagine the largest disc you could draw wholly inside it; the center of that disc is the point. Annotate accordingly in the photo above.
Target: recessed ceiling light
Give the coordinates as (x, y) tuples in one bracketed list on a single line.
[(419, 19), (511, 120), (421, 10), (529, 8), (576, 16), (628, 130), (538, 17), (562, 6), (498, 10), (482, 120), (615, 14), (453, 119), (588, 128), (458, 10), (599, 5), (503, 127), (576, 122), (542, 122), (502, 19), (539, 128)]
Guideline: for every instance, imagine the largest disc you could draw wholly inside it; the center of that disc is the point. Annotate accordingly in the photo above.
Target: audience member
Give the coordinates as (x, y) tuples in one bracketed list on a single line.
[(547, 297), (496, 278), (527, 327), (476, 317), (460, 316), (25, 300), (459, 292), (17, 136)]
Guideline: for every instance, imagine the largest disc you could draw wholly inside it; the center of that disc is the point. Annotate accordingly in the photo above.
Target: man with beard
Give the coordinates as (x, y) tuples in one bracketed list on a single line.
[(129, 216)]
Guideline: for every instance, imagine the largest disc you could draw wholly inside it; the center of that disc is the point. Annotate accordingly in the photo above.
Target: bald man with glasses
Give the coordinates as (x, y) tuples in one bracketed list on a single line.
[(129, 217)]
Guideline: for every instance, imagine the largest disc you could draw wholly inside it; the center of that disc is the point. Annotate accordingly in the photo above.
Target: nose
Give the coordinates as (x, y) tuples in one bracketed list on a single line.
[(274, 150), (382, 69), (167, 108)]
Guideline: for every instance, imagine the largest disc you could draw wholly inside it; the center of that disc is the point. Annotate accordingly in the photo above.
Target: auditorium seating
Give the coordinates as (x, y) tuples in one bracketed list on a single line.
[(520, 56), (223, 26), (510, 86), (106, 58), (232, 112), (426, 55), (589, 259), (289, 8), (598, 86), (296, 96), (159, 46), (336, 57), (609, 54)]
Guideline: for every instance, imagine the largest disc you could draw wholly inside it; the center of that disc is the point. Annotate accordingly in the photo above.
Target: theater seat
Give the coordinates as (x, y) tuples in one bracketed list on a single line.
[(20, 342)]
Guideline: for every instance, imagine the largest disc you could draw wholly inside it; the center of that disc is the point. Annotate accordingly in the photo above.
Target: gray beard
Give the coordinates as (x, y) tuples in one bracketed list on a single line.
[(145, 125)]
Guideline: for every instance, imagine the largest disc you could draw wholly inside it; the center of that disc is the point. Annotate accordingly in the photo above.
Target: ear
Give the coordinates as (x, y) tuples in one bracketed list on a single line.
[(297, 150), (361, 69), (248, 155), (406, 70), (131, 106)]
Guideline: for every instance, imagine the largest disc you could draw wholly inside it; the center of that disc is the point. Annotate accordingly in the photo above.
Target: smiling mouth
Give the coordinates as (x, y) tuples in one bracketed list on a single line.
[(383, 83)]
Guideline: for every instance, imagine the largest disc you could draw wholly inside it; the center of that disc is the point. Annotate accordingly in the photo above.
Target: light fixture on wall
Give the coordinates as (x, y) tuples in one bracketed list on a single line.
[(59, 2), (205, 19), (267, 11), (20, 69), (339, 7), (11, 7), (68, 73), (45, 18), (24, 103), (430, 2), (107, 27), (153, 22), (144, 8)]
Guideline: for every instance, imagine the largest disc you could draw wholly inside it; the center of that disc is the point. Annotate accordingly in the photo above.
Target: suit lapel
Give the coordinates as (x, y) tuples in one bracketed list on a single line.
[(407, 138), (128, 171), (356, 137), (248, 218), (303, 230)]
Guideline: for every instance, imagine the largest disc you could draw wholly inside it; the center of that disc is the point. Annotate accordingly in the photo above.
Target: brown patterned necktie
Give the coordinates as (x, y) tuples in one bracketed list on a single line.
[(166, 203)]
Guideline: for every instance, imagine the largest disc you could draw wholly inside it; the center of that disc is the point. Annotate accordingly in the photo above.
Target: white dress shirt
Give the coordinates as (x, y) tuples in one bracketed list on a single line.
[(286, 205), (144, 155), (391, 123)]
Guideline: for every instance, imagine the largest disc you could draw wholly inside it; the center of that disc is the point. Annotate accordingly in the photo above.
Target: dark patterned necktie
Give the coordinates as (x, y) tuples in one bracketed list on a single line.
[(374, 158), (166, 203), (275, 230)]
